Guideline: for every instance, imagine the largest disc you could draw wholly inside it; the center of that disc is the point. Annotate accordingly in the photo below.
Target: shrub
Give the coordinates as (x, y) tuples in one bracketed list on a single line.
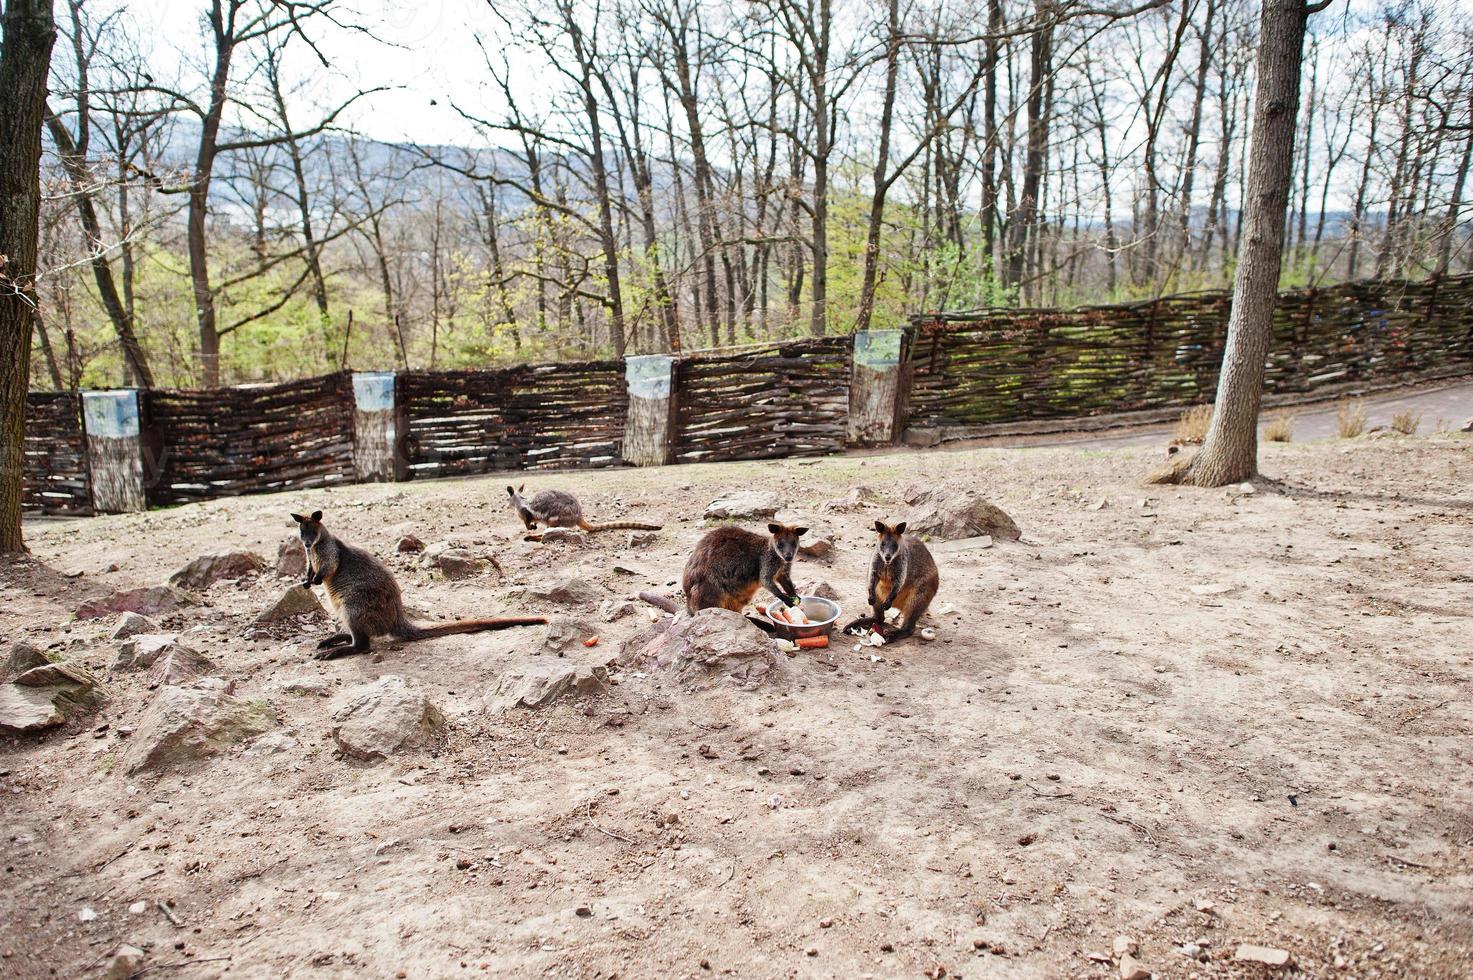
[(1350, 419), (1280, 428), (1407, 423), (1191, 428)]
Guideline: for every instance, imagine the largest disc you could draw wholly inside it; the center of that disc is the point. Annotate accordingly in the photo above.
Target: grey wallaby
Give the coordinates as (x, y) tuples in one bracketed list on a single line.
[(558, 508)]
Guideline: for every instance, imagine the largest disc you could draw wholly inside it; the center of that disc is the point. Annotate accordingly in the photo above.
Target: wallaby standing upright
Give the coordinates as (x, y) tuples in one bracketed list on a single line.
[(729, 563), (902, 576), (366, 597), (557, 508)]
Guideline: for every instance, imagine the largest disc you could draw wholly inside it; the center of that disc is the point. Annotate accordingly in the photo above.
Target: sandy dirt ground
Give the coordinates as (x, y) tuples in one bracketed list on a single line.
[(1191, 718)]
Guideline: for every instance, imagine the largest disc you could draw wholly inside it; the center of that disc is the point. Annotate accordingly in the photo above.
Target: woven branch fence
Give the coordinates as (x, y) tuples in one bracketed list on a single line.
[(952, 372), (1013, 365)]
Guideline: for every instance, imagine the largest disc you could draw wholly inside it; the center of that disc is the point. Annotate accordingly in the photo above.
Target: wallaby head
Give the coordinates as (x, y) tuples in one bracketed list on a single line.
[(785, 539), (889, 544), (310, 528), (517, 503)]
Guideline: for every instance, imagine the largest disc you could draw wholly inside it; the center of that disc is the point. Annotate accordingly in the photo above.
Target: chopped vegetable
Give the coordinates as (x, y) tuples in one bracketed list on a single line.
[(592, 641), (893, 615), (813, 642)]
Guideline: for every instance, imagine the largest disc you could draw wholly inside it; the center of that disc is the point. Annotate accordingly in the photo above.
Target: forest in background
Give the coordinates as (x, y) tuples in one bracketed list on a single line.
[(649, 175)]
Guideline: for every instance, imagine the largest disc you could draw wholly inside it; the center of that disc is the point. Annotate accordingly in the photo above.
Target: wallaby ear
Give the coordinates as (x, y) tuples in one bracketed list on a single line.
[(880, 527), (511, 491), (799, 531), (316, 516), (521, 488), (900, 528), (299, 518), (774, 528)]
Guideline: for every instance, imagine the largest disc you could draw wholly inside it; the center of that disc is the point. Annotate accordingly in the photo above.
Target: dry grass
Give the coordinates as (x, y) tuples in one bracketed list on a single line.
[(1191, 428), (1350, 418), (1407, 423), (1280, 428)]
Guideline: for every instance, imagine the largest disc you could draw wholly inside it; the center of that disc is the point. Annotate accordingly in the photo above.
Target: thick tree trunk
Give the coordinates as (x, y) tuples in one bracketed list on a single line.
[(1230, 451), (26, 36), (881, 175)]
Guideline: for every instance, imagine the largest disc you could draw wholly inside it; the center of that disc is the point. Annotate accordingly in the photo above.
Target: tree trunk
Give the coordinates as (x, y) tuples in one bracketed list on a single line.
[(1230, 451), (27, 33), (881, 175)]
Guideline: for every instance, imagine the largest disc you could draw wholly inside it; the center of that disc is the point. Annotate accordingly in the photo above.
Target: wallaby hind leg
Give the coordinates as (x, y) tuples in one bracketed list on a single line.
[(861, 622), (359, 645), (336, 639)]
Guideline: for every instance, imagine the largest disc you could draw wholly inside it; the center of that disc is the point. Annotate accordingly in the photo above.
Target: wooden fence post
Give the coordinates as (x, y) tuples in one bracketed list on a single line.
[(114, 430), (649, 431), (376, 456), (878, 387)]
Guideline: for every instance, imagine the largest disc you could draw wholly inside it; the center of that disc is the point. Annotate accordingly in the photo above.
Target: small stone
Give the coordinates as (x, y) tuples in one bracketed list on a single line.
[(131, 624), (812, 950), (1124, 946), (583, 911), (178, 665), (138, 908), (611, 610), (825, 923), (125, 961), (409, 545), (457, 564), (304, 685), (564, 535), (46, 696), (291, 558), (86, 915), (150, 601), (1130, 969), (389, 715), (295, 601), (1267, 955), (641, 539)]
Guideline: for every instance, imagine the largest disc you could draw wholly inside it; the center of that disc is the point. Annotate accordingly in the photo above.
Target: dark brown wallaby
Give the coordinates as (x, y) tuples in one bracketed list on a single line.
[(729, 563), (557, 508), (366, 598), (901, 576)]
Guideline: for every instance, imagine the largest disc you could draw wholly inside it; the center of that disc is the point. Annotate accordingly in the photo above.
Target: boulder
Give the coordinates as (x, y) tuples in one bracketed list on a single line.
[(142, 651), (192, 722), (153, 600), (206, 570), (373, 721), (46, 696), (563, 633), (455, 564), (291, 558), (948, 515), (295, 601), (709, 644), (539, 681), (178, 664), (24, 656), (820, 588), (744, 505), (409, 545), (855, 499), (131, 624), (1467, 426), (124, 962), (612, 610), (565, 535), (569, 590)]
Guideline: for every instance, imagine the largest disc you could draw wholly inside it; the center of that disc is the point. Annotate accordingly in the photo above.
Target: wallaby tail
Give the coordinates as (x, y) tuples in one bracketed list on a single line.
[(619, 526), (660, 602), (413, 631)]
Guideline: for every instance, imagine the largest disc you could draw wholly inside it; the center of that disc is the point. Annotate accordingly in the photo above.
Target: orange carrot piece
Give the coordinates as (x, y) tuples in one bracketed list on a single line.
[(812, 642), (592, 641)]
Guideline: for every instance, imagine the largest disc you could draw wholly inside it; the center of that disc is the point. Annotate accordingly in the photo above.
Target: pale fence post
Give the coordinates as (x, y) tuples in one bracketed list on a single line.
[(112, 423), (878, 387), (649, 429), (376, 456)]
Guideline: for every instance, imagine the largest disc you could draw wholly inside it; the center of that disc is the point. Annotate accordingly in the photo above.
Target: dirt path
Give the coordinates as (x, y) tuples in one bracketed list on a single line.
[(1194, 718)]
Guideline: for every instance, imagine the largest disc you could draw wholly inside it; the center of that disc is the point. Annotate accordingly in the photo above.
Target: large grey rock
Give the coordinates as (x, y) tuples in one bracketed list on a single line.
[(564, 633), (131, 624), (153, 600), (612, 610), (206, 570), (568, 590), (291, 558), (178, 664), (713, 643), (295, 601), (855, 499), (373, 721), (141, 651), (539, 681), (46, 696), (457, 563), (744, 505), (193, 722), (948, 515), (23, 656)]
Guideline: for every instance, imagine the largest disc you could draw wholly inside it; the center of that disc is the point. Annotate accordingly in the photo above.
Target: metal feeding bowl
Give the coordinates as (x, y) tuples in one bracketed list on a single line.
[(822, 614)]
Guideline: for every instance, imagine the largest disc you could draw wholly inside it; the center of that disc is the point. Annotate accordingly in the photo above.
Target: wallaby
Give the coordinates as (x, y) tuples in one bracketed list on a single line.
[(366, 598), (729, 563), (557, 508), (902, 576)]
